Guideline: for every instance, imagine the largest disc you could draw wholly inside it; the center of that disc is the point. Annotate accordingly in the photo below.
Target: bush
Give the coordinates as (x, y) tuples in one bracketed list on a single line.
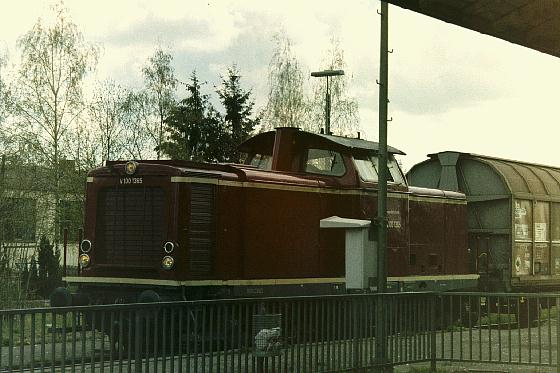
[(49, 273), (12, 292)]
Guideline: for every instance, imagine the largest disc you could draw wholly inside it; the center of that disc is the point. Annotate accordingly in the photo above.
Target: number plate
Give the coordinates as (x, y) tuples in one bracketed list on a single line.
[(130, 180)]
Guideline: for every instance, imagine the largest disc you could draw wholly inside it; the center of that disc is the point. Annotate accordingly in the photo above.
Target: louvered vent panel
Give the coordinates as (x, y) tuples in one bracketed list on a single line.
[(201, 229), (130, 225)]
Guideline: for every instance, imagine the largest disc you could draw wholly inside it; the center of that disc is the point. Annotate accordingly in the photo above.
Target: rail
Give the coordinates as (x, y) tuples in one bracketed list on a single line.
[(300, 334)]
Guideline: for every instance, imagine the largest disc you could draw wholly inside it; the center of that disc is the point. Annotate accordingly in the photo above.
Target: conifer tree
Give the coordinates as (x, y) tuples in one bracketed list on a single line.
[(238, 105), (49, 274), (190, 125)]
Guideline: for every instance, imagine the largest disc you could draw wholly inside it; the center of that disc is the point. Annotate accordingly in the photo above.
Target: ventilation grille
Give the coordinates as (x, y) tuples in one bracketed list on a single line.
[(130, 226), (202, 231)]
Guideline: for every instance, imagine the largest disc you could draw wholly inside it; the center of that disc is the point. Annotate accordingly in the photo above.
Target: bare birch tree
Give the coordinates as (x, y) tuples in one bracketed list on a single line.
[(4, 93), (345, 117), (108, 111), (140, 140), (54, 61), (286, 104), (160, 86)]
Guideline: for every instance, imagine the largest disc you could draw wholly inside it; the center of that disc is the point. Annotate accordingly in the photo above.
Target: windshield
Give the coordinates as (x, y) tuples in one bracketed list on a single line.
[(324, 162), (368, 169)]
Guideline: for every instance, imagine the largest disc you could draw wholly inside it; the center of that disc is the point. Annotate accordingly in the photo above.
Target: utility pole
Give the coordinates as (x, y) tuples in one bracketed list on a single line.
[(381, 220)]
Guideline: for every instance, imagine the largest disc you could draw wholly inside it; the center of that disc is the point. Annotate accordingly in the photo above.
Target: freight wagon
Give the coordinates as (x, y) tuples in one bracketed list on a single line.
[(513, 217)]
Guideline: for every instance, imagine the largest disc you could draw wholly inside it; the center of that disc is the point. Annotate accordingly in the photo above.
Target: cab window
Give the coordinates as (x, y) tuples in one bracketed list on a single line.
[(324, 162), (261, 161), (368, 169), (395, 173)]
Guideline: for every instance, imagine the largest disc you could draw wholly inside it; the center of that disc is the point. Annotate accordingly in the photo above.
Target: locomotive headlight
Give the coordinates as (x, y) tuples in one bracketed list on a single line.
[(85, 246), (167, 262), (168, 247), (84, 260), (130, 167)]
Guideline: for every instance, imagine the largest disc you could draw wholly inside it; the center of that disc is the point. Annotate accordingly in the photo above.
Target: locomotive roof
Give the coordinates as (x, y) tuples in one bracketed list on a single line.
[(346, 142), (520, 177)]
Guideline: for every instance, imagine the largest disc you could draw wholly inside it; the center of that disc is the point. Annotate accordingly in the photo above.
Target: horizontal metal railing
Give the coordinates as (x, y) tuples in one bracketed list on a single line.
[(501, 328), (300, 334)]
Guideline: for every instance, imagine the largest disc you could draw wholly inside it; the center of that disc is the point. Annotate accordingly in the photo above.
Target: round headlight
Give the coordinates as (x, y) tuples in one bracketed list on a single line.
[(85, 246), (168, 247), (83, 260), (167, 262), (130, 167)]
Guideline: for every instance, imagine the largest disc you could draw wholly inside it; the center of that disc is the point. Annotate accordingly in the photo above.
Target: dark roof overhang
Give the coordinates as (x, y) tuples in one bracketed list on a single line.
[(265, 140), (530, 23)]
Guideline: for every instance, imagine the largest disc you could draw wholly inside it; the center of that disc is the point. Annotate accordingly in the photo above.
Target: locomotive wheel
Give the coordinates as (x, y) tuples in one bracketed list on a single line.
[(148, 328), (144, 325)]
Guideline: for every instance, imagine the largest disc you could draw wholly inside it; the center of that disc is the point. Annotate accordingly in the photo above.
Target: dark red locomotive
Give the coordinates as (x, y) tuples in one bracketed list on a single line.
[(192, 230)]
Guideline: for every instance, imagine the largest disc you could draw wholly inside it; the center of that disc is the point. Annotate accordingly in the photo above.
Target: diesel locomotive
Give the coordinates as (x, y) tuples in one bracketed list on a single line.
[(170, 230)]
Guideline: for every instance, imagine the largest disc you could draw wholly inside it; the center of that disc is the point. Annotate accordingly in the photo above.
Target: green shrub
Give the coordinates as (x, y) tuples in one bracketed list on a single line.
[(49, 274)]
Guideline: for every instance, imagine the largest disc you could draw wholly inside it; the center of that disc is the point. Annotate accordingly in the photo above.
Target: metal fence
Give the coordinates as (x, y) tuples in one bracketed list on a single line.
[(302, 334)]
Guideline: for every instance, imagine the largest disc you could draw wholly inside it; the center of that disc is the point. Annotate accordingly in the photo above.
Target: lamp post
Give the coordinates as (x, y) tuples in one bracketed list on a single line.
[(327, 74)]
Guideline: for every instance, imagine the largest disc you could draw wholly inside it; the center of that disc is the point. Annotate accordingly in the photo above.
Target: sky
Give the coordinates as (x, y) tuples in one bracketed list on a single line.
[(449, 88)]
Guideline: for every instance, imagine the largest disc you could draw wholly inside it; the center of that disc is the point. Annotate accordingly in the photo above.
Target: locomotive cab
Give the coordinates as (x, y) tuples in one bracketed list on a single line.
[(318, 154)]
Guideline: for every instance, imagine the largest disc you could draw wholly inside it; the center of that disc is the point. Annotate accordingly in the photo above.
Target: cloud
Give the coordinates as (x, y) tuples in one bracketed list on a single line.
[(151, 29), (443, 80), (187, 34)]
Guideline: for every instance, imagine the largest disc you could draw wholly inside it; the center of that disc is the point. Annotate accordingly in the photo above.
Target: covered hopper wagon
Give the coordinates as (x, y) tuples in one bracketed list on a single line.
[(513, 217)]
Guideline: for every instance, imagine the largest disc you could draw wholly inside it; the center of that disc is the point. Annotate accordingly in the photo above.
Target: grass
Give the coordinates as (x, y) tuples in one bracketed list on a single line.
[(498, 318), (503, 318), (551, 312), (427, 370)]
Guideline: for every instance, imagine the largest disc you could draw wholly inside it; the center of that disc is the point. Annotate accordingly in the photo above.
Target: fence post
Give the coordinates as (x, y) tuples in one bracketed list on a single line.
[(65, 246), (382, 362), (80, 236), (432, 324), (355, 331), (138, 342), (260, 364), (557, 334)]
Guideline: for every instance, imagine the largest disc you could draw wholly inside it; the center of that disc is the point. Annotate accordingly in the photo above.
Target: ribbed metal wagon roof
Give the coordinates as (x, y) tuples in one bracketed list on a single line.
[(522, 177)]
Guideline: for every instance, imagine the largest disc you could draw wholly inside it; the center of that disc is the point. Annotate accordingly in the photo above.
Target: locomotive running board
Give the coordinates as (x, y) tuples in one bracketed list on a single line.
[(147, 281), (407, 283)]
